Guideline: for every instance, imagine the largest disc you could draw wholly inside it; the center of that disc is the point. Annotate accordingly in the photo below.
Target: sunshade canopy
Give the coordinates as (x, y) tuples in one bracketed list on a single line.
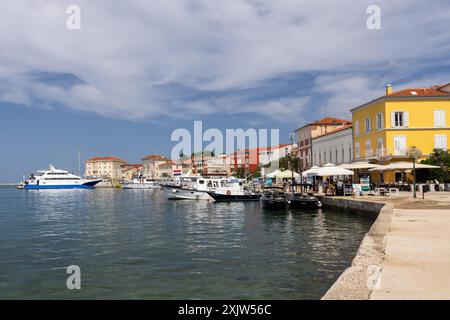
[(330, 169), (286, 174), (403, 166), (359, 165), (312, 171), (273, 174)]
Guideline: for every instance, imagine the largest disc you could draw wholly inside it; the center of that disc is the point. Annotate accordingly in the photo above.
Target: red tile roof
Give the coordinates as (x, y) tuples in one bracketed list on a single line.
[(166, 163), (154, 157), (421, 92), (330, 120), (106, 159), (334, 131)]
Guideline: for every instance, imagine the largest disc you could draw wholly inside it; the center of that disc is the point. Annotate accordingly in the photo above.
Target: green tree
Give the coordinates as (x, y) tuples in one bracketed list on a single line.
[(439, 158), (257, 173), (240, 173)]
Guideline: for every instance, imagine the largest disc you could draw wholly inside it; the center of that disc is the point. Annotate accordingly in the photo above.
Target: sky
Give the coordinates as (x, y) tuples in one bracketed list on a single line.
[(137, 70)]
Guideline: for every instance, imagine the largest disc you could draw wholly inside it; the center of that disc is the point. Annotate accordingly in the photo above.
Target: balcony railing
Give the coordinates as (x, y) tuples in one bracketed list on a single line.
[(381, 153)]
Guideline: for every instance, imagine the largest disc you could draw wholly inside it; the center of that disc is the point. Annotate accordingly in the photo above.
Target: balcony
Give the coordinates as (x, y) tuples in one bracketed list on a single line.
[(384, 154)]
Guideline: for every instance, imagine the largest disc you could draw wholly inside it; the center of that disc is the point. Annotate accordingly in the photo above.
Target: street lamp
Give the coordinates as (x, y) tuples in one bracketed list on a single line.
[(414, 153)]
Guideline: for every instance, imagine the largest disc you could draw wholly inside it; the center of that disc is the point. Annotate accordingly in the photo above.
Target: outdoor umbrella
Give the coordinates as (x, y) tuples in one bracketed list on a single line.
[(273, 174), (403, 166), (330, 169), (312, 171), (359, 165), (286, 174)]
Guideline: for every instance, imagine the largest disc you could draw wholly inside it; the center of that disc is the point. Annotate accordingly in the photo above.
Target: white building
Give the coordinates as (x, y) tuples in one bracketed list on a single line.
[(333, 147)]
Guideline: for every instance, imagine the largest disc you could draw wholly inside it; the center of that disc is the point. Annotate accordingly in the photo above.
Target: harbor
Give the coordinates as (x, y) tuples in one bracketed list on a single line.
[(136, 244), (233, 157)]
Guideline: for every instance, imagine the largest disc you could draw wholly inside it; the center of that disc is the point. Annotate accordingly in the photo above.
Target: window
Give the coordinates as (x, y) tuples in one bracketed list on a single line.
[(368, 148), (320, 158), (350, 155), (399, 119), (337, 156), (379, 121), (380, 147), (325, 157), (357, 154), (368, 125), (343, 160), (440, 141), (439, 118), (399, 144), (356, 127)]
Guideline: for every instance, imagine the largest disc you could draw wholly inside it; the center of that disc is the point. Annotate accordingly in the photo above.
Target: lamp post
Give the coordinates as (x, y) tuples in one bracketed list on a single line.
[(289, 156), (414, 153)]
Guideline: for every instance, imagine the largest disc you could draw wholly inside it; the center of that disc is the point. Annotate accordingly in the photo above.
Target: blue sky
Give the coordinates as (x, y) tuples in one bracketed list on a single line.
[(136, 71)]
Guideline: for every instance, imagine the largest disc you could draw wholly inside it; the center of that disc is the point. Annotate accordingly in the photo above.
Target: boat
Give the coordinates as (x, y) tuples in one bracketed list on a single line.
[(233, 190), (273, 198), (192, 188), (140, 183), (301, 201), (56, 179)]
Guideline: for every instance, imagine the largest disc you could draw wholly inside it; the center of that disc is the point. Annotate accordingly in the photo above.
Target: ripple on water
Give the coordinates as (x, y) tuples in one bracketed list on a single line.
[(136, 244)]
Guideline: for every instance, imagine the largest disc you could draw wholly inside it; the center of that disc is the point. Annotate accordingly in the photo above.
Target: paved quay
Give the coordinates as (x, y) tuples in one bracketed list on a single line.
[(405, 255)]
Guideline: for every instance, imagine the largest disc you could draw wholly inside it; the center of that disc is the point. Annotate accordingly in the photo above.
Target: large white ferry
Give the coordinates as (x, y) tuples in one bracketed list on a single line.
[(57, 179)]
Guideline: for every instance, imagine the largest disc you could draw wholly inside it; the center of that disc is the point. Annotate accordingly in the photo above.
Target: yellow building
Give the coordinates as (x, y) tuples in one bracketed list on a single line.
[(384, 129), (104, 167)]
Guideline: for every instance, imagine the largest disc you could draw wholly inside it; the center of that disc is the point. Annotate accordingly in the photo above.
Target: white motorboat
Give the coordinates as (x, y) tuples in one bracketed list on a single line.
[(140, 183), (192, 188)]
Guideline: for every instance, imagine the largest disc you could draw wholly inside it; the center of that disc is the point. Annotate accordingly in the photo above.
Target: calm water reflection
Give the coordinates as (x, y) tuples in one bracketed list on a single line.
[(136, 244)]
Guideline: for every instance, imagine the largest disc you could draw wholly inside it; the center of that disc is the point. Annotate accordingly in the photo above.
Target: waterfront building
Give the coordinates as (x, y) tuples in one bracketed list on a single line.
[(104, 167), (129, 171), (150, 165), (384, 128), (218, 165), (305, 134), (253, 158), (335, 146)]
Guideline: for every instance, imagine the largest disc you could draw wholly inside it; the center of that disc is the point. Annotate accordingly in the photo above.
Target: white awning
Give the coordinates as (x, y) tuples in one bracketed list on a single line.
[(330, 169), (402, 165)]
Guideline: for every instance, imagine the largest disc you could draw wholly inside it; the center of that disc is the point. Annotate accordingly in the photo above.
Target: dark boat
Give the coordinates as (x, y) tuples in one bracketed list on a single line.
[(299, 201), (235, 197), (273, 198)]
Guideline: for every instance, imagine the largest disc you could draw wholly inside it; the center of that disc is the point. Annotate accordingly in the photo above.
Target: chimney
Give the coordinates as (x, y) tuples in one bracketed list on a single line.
[(388, 89)]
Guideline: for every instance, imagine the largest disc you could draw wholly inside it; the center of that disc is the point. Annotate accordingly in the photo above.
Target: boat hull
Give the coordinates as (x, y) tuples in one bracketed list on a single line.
[(177, 193), (273, 204), (304, 203), (225, 197), (37, 187), (85, 185), (139, 186)]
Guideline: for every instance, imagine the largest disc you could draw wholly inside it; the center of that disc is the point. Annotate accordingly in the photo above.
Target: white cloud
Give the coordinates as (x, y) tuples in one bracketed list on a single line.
[(126, 48)]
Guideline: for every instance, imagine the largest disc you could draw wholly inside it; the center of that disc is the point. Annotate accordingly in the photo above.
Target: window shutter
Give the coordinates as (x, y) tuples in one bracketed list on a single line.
[(356, 127), (382, 121), (406, 119), (392, 119), (439, 118)]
